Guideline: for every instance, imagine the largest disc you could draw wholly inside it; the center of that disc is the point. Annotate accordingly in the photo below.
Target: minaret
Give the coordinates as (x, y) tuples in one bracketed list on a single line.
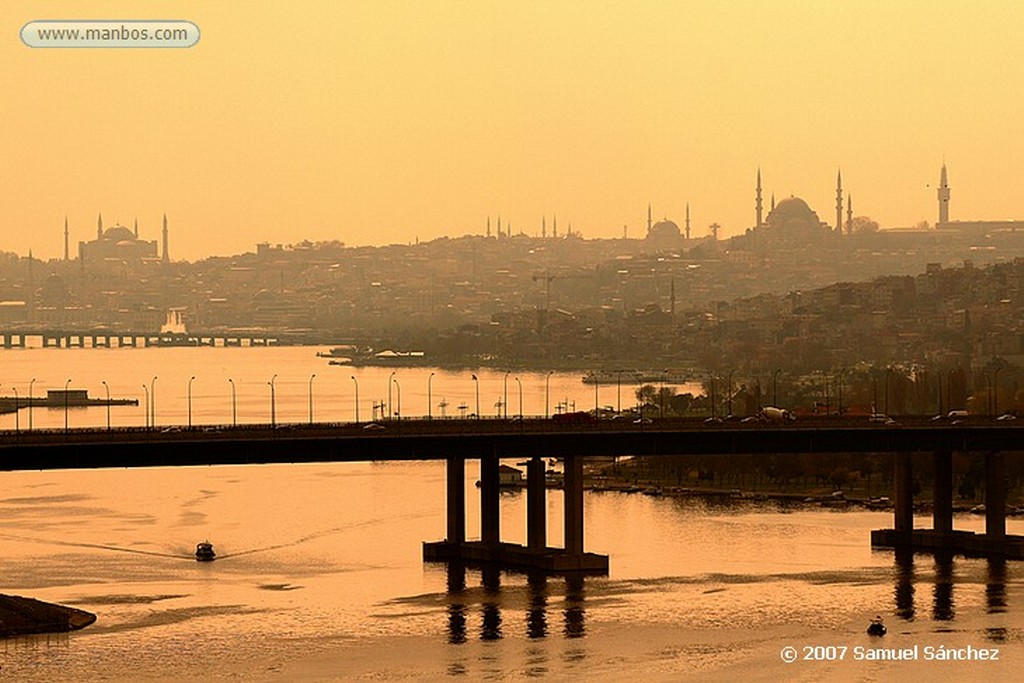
[(672, 299), (99, 227), (499, 226), (773, 202), (554, 226), (66, 256), (488, 226), (166, 257), (757, 204), (849, 214), (543, 226), (136, 228), (687, 224), (839, 202), (31, 294), (943, 197), (648, 217)]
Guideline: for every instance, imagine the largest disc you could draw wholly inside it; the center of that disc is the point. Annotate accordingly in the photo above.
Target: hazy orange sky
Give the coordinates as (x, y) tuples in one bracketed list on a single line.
[(376, 122)]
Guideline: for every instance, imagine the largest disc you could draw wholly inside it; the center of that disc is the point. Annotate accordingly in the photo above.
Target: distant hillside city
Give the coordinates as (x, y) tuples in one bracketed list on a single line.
[(792, 293)]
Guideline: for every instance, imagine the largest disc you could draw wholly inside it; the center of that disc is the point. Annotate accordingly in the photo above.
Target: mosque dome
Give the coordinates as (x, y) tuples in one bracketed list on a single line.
[(119, 233), (665, 227), (793, 214)]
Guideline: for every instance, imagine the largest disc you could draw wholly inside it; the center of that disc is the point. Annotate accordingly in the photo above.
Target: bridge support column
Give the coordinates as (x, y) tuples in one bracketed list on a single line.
[(995, 495), (904, 494), (490, 509), (456, 471), (536, 505), (942, 492), (572, 488)]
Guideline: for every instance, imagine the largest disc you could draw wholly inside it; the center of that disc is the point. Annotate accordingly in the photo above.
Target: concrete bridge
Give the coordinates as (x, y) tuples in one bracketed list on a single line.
[(104, 339), (455, 441)]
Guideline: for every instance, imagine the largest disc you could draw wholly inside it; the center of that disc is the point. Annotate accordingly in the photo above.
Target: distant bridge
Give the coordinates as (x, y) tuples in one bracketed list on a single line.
[(105, 339), (490, 440)]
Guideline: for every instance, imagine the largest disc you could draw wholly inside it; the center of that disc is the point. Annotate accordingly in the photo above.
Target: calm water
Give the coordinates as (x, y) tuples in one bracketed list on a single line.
[(320, 575)]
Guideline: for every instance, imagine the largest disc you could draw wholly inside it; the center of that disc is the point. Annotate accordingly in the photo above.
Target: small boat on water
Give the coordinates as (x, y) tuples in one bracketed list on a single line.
[(876, 628), (204, 552)]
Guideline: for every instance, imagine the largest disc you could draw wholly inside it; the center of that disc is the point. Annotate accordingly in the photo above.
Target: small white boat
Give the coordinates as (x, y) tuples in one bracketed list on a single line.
[(204, 552)]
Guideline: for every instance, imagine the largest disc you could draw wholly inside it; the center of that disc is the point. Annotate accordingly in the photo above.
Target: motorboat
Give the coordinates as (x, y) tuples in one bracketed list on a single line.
[(876, 628), (204, 552)]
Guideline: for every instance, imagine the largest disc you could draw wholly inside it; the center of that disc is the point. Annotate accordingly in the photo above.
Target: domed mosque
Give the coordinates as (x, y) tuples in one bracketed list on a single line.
[(117, 243), (665, 234), (793, 220)]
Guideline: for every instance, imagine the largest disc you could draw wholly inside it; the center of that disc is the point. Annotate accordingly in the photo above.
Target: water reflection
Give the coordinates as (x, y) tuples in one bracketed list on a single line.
[(456, 608), (574, 626), (905, 584), (995, 587), (494, 599), (537, 614), (942, 598), (490, 625)]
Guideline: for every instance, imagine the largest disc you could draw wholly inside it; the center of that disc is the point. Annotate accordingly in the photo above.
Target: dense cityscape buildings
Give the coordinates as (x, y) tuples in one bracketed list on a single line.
[(792, 291)]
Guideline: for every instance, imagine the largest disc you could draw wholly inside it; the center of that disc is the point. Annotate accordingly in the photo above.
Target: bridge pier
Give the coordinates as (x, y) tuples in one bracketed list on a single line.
[(536, 555), (942, 537), (536, 505)]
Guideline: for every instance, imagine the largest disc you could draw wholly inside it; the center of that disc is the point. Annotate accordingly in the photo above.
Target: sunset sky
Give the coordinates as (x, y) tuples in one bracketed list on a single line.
[(377, 122)]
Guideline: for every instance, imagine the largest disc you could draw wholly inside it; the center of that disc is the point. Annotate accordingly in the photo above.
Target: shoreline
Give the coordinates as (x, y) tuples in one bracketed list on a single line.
[(20, 616)]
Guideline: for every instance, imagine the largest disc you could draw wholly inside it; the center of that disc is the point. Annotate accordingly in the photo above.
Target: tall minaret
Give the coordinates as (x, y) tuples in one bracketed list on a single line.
[(672, 299), (31, 294), (849, 214), (488, 226), (166, 257), (543, 226), (99, 227), (66, 257), (136, 228), (648, 217), (758, 202), (839, 202), (943, 197), (554, 225), (687, 222)]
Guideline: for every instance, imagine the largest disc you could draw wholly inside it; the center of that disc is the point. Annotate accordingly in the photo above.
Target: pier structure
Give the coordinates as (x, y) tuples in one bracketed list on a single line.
[(536, 554), (942, 536)]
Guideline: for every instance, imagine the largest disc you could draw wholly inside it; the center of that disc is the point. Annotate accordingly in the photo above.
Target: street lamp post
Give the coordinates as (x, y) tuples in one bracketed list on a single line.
[(17, 422), (547, 392), (477, 382), (429, 415), (273, 402), (391, 378), (728, 391), (828, 407), (995, 390), (191, 379), (146, 389), (311, 378), (597, 384), (775, 387), (520, 398), (504, 399), (618, 392), (398, 392), (30, 403), (152, 402), (234, 404), (107, 387), (356, 382), (66, 385)]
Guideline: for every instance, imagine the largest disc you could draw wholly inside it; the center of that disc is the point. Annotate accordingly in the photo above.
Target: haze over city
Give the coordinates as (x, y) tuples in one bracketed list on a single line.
[(374, 123)]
